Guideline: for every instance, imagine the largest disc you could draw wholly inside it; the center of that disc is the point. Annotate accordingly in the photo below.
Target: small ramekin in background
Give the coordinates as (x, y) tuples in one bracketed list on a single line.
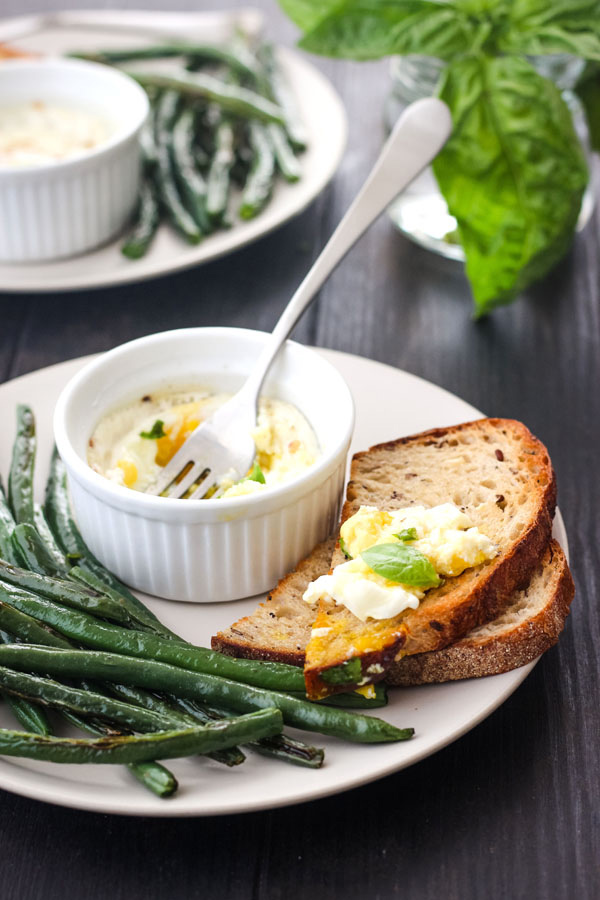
[(205, 550), (71, 205)]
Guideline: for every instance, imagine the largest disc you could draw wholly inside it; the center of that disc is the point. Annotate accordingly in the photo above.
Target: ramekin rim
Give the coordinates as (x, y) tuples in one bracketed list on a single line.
[(123, 497), (113, 142)]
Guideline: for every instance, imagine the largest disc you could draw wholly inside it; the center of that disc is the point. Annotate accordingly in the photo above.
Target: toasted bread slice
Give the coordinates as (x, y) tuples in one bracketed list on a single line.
[(502, 477), (532, 622)]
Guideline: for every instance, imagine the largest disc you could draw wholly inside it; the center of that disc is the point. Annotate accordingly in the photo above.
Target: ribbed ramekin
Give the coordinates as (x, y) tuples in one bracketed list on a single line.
[(66, 207), (205, 551)]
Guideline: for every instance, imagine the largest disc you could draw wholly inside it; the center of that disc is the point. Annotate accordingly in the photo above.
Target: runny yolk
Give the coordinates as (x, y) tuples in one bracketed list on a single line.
[(175, 437), (129, 470)]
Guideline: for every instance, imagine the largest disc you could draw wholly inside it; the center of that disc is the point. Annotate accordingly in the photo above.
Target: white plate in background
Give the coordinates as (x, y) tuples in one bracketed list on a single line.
[(321, 108)]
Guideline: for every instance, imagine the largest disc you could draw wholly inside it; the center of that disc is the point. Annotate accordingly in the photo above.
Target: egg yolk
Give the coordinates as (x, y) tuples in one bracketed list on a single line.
[(129, 470), (175, 437)]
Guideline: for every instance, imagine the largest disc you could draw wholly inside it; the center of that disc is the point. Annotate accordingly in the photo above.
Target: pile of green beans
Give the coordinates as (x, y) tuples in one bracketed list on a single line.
[(74, 640), (223, 114)]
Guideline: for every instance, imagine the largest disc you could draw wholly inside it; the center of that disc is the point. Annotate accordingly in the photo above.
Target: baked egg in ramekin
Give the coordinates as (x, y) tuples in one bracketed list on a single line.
[(208, 550)]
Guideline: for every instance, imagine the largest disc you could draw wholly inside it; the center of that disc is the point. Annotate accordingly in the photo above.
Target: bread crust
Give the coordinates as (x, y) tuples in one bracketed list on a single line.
[(245, 650)]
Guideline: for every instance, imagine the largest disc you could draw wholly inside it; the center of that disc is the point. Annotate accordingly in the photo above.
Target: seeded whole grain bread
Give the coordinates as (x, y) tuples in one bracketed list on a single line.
[(501, 476), (497, 472), (532, 622)]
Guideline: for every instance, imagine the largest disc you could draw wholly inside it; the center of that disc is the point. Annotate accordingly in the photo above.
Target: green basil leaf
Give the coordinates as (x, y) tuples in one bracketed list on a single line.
[(401, 563), (344, 549), (588, 91), (256, 474), (551, 41), (539, 27), (157, 431), (407, 534), (574, 15), (356, 30), (308, 13), (513, 173)]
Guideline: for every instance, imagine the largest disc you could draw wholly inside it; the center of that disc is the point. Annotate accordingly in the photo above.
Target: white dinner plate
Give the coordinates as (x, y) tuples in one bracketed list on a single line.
[(321, 109), (439, 713)]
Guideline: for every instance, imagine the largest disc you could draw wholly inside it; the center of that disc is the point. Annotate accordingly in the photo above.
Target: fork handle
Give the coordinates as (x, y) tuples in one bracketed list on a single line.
[(417, 138)]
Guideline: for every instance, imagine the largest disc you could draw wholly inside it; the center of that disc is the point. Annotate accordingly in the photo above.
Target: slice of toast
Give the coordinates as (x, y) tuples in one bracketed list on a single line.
[(532, 622), (501, 476)]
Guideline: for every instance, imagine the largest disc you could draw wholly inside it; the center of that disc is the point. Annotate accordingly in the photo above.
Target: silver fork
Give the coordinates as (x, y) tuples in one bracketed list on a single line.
[(222, 445)]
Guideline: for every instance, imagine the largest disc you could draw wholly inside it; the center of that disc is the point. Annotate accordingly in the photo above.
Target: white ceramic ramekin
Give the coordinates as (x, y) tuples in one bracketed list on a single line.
[(205, 550), (69, 206)]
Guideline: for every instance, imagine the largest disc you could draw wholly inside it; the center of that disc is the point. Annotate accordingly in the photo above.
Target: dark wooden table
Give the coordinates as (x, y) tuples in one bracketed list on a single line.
[(512, 810)]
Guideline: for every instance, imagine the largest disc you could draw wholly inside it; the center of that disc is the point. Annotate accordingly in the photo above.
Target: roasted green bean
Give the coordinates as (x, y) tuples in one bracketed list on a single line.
[(145, 223), (207, 689), (33, 554), (197, 53), (7, 526), (64, 591), (260, 181), (28, 629), (166, 113), (191, 183), (20, 479), (285, 158), (84, 702), (57, 508), (85, 629), (43, 529), (284, 97), (28, 714), (280, 746), (135, 749), (175, 710), (218, 180), (152, 775), (58, 514), (237, 100)]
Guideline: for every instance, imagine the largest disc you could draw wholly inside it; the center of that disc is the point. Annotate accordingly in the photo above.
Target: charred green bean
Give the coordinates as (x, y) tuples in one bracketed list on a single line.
[(64, 591), (85, 629), (33, 554), (236, 100), (207, 689), (83, 702), (145, 223), (261, 178), (197, 52), (191, 183), (20, 479), (166, 113), (58, 514), (135, 749), (284, 97), (7, 526), (218, 181)]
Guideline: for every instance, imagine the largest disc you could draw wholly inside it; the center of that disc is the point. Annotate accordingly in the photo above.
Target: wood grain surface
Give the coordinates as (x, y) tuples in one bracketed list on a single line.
[(512, 810)]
